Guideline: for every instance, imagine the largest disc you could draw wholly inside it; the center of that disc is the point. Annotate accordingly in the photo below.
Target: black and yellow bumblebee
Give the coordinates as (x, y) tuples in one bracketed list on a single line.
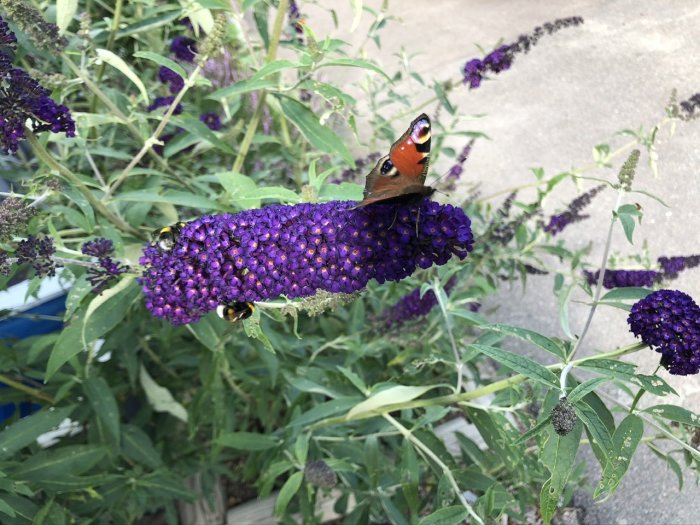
[(166, 237), (235, 311)]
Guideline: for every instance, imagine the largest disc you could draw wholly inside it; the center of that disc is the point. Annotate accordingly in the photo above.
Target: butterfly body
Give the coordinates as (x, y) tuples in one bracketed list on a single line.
[(402, 173), (235, 311)]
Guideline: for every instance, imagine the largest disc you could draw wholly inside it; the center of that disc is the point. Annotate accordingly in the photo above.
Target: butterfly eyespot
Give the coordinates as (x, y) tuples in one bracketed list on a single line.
[(387, 167)]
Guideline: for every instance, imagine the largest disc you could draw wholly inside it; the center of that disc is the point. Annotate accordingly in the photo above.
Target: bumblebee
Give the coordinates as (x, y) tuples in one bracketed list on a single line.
[(166, 237), (235, 311)]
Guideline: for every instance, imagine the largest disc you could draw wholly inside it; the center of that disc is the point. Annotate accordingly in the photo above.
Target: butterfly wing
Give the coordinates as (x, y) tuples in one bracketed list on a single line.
[(404, 170)]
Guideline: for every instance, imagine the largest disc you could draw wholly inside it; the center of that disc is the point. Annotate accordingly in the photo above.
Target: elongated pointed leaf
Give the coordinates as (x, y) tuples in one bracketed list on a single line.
[(545, 343), (521, 364), (675, 413), (103, 404), (247, 441), (25, 431), (317, 134), (595, 426), (558, 455), (389, 396), (447, 516), (625, 442), (290, 487), (160, 397), (117, 62)]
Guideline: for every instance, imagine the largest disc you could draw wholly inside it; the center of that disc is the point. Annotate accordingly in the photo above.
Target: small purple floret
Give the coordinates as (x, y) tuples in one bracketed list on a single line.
[(184, 48), (295, 250), (212, 120), (669, 322)]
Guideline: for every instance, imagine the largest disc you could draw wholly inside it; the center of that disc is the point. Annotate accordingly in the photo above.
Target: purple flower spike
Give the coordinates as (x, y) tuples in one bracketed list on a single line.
[(624, 278), (501, 58), (672, 266), (295, 250), (8, 46), (669, 322), (413, 306), (22, 98), (183, 48)]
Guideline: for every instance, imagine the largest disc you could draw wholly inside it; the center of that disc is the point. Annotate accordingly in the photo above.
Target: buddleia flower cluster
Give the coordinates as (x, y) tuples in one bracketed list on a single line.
[(669, 322), (295, 250), (412, 306), (501, 58), (669, 268), (37, 251), (572, 214), (22, 99), (100, 277), (457, 168)]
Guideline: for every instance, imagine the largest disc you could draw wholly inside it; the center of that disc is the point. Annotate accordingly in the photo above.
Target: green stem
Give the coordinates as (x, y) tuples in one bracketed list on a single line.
[(491, 388), (255, 120), (114, 110), (424, 449), (26, 389), (601, 277), (43, 155), (116, 18), (153, 139)]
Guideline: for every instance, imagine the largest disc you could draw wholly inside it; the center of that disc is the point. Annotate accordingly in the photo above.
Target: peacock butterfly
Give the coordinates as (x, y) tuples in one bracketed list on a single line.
[(402, 172)]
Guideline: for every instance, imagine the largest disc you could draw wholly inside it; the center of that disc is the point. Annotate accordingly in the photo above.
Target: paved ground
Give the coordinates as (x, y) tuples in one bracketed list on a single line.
[(576, 89)]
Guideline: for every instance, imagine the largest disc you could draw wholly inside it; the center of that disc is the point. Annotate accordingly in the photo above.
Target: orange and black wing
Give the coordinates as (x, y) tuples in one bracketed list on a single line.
[(404, 170)]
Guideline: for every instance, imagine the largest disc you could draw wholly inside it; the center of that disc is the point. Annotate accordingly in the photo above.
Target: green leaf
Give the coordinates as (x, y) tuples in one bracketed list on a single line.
[(345, 191), (626, 215), (72, 460), (317, 134), (81, 287), (355, 62), (594, 424), (258, 81), (162, 61), (117, 62), (137, 446), (447, 516), (558, 455), (584, 388), (147, 25), (624, 294), (674, 413), (545, 343), (356, 14), (539, 427), (247, 441), (200, 130), (103, 404), (6, 509), (25, 431), (109, 309), (160, 397), (388, 396), (65, 11), (625, 442), (205, 333), (672, 463), (653, 384), (521, 364), (180, 198), (290, 487), (69, 344)]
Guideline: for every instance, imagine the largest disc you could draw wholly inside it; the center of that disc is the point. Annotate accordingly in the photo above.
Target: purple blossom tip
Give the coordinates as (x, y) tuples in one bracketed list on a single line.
[(161, 102), (22, 99), (168, 76), (184, 48), (501, 58), (295, 250), (669, 322), (212, 120), (98, 248)]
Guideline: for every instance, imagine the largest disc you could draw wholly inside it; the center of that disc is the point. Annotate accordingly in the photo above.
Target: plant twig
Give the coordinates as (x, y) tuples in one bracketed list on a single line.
[(17, 385), (445, 469), (43, 155)]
